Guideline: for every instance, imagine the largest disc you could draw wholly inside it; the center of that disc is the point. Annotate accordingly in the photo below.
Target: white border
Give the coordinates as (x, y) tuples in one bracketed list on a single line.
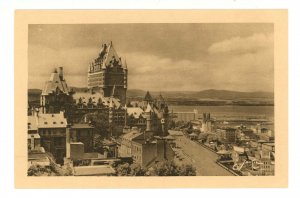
[(7, 87)]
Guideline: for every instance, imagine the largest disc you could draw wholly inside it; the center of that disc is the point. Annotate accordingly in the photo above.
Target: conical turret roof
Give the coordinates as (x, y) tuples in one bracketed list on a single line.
[(148, 97)]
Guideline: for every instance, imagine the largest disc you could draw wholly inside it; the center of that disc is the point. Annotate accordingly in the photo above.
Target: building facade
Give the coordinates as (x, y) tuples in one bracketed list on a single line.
[(56, 95), (108, 73)]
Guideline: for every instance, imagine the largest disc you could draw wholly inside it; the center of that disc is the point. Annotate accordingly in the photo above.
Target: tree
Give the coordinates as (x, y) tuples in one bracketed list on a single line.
[(170, 168), (37, 170), (100, 121), (130, 170), (123, 169)]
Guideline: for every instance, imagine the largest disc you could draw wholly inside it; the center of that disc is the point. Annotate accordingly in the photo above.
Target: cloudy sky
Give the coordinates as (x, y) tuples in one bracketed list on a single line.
[(160, 57)]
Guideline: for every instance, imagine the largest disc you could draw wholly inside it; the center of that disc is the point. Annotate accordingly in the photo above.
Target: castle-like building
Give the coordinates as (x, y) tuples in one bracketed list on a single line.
[(108, 74), (105, 97), (56, 95)]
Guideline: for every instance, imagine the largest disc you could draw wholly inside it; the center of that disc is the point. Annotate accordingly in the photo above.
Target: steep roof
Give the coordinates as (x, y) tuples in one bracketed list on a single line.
[(32, 123), (56, 120), (161, 99), (136, 112), (149, 108), (86, 96), (55, 83), (148, 97), (107, 55)]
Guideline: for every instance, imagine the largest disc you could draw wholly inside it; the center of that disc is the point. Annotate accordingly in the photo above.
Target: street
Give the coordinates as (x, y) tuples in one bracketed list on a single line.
[(201, 158)]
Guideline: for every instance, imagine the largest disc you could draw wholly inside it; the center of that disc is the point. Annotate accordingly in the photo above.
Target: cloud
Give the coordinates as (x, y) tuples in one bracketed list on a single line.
[(240, 45), (150, 72), (75, 61)]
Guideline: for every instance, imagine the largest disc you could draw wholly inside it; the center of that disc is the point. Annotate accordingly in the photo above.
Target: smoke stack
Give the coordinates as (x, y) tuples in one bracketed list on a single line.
[(61, 73)]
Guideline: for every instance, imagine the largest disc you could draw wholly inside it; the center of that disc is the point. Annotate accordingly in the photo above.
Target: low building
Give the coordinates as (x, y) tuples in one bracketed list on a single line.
[(227, 135), (51, 130), (84, 133), (144, 152), (144, 148)]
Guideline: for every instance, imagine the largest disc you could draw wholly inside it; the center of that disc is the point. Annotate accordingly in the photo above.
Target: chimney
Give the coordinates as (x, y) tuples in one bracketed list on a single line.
[(61, 73), (68, 141)]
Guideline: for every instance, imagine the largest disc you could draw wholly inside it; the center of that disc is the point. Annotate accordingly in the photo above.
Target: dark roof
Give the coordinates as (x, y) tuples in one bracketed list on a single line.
[(81, 126), (161, 99), (148, 97)]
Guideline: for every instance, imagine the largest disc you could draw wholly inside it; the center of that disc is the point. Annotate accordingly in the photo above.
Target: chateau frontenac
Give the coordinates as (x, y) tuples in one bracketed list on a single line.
[(108, 73)]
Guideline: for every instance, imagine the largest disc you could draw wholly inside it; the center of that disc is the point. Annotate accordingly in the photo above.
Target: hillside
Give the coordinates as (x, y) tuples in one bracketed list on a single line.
[(205, 97)]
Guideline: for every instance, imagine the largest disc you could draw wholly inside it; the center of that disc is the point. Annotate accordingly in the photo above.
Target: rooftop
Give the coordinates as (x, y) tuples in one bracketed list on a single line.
[(136, 112), (82, 126), (56, 120), (55, 84), (95, 98), (93, 170)]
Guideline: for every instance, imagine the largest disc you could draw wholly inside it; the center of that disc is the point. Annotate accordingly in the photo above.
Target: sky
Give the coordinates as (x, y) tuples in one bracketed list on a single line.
[(160, 57)]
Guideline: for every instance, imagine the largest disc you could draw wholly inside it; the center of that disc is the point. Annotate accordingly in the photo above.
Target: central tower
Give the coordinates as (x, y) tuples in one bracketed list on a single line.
[(108, 74)]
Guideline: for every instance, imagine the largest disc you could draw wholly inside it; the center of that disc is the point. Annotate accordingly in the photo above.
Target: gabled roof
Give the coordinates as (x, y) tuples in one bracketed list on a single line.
[(55, 83)]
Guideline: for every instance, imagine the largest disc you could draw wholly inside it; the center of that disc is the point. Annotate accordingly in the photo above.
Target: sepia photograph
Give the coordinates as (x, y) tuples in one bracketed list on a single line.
[(151, 99)]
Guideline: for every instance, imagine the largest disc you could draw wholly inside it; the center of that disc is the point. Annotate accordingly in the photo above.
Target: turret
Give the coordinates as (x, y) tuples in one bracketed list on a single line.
[(61, 73), (148, 113)]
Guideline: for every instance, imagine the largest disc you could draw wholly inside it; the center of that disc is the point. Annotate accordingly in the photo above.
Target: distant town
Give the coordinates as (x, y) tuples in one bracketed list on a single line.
[(107, 130)]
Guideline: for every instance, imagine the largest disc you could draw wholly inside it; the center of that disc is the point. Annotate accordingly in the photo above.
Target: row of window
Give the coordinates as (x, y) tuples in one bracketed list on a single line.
[(54, 122), (52, 132)]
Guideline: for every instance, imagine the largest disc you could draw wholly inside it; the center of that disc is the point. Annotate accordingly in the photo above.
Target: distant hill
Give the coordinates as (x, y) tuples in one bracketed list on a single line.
[(205, 94), (211, 96)]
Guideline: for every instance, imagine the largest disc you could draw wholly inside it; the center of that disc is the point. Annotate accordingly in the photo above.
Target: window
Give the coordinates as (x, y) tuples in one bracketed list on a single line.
[(45, 122), (54, 122)]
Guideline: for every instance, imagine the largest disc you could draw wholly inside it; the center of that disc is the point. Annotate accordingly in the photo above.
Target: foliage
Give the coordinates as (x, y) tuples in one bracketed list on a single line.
[(98, 143), (130, 170), (37, 170), (100, 121), (165, 168)]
